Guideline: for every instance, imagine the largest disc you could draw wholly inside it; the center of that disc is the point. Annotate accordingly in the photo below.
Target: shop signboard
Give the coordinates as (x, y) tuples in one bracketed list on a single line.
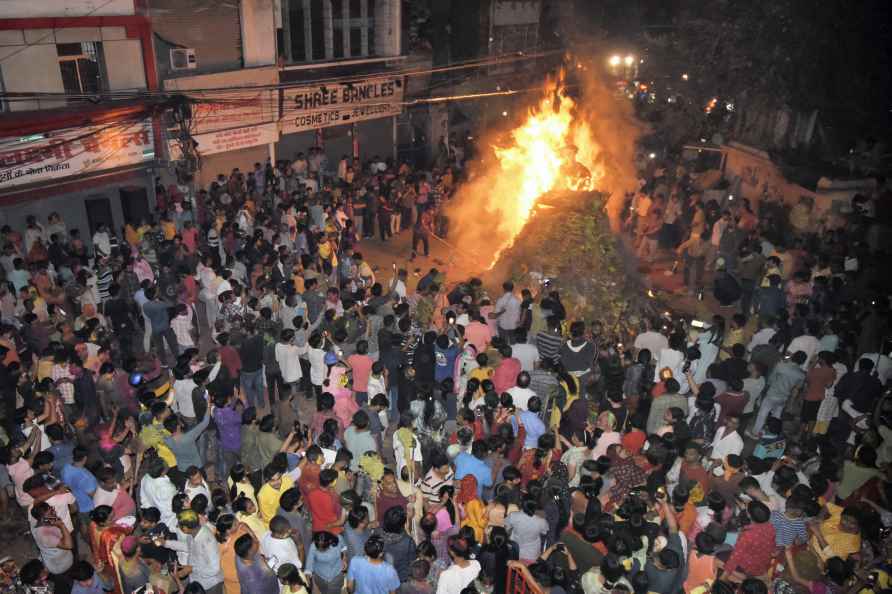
[(74, 151), (324, 105)]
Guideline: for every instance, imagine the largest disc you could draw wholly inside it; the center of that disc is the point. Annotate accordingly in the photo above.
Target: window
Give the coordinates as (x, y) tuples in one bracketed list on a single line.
[(337, 24), (295, 42), (83, 70), (317, 30)]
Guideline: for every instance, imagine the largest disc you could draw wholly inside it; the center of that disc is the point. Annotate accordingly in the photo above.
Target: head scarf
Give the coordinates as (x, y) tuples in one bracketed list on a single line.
[(467, 489)]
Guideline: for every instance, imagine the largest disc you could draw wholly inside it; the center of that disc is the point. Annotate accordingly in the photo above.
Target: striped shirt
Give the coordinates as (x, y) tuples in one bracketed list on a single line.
[(431, 484), (549, 345), (788, 531), (104, 280)]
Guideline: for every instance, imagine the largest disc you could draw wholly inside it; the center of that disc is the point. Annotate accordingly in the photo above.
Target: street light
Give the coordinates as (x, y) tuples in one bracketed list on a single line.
[(684, 76), (629, 60), (615, 60)]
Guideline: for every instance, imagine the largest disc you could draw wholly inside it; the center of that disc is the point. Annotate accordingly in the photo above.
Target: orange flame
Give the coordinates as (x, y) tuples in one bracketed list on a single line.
[(551, 150)]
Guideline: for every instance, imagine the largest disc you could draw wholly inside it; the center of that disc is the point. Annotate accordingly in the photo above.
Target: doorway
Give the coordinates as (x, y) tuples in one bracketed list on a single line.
[(135, 204), (99, 212)]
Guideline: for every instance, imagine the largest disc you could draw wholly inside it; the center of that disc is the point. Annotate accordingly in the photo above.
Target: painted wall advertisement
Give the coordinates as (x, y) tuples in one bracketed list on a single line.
[(324, 105), (231, 140), (74, 151)]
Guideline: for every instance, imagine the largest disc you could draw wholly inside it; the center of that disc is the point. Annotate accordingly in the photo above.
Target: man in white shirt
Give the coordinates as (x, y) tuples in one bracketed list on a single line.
[(507, 313), (183, 386), (521, 393), (102, 241), (204, 551), (53, 538), (157, 490), (808, 343), (277, 545), (727, 441), (650, 339), (762, 337)]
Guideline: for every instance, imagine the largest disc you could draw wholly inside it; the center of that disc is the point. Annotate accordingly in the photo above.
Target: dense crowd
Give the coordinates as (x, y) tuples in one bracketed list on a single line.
[(231, 398)]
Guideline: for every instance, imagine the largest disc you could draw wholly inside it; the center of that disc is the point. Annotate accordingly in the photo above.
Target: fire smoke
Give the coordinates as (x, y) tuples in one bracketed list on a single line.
[(583, 144)]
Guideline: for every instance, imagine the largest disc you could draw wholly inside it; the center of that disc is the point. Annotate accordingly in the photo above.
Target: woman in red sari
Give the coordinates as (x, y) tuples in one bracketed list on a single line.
[(104, 536)]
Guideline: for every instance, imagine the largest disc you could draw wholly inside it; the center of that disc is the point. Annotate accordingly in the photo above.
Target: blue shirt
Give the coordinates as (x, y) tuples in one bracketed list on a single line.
[(444, 362), (466, 464), (256, 578), (82, 484), (372, 578), (62, 454), (95, 587), (534, 428), (326, 564)]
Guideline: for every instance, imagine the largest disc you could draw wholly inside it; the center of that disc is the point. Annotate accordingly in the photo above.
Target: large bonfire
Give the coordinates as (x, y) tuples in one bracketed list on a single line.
[(538, 212), (552, 149)]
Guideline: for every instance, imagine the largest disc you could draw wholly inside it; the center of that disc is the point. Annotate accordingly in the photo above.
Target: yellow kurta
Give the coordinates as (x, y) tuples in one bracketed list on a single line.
[(475, 517)]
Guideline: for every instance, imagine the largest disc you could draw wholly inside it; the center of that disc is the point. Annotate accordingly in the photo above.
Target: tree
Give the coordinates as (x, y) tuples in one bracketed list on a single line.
[(831, 56)]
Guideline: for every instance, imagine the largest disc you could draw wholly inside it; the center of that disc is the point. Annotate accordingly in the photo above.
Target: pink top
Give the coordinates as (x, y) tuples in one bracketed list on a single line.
[(362, 369), (505, 375)]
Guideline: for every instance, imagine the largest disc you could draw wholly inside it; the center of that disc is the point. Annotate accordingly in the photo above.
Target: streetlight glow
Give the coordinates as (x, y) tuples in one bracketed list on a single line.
[(629, 60), (615, 60)]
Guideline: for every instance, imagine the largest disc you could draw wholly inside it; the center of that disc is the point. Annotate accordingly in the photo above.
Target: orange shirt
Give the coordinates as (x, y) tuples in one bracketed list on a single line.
[(700, 569), (687, 517), (227, 561)]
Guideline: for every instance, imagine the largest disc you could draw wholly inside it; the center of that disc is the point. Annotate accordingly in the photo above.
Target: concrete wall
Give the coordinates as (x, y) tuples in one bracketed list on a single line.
[(214, 34), (244, 159), (31, 69), (124, 65), (29, 61), (258, 31), (22, 9), (388, 27)]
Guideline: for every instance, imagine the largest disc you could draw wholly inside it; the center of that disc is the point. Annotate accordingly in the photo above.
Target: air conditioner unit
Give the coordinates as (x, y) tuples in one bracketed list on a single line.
[(183, 59)]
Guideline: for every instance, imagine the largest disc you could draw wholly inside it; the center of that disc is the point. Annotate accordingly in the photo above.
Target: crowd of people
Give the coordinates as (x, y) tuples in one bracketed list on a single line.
[(231, 398)]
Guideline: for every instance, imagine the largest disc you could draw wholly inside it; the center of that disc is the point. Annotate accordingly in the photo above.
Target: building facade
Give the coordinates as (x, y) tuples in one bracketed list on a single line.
[(73, 137), (268, 79), (341, 64)]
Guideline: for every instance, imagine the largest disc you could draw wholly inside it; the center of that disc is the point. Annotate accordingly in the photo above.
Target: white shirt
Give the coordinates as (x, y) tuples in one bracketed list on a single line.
[(399, 287), (723, 445), (527, 354), (521, 397), (182, 397), (807, 344), (652, 341), (509, 305), (158, 493), (223, 287), (102, 242), (288, 358), (279, 551), (454, 579), (761, 338), (60, 504), (317, 366)]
